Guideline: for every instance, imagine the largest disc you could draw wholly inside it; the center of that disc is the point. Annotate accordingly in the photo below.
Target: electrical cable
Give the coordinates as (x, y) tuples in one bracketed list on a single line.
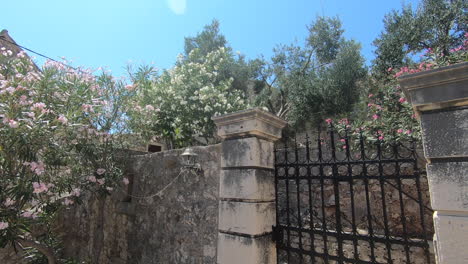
[(37, 53)]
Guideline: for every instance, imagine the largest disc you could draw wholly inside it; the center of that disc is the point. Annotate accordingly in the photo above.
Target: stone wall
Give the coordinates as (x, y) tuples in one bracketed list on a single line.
[(181, 225), (177, 225)]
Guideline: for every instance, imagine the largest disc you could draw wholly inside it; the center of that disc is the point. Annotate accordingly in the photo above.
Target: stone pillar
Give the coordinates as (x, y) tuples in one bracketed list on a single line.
[(247, 195), (440, 98)]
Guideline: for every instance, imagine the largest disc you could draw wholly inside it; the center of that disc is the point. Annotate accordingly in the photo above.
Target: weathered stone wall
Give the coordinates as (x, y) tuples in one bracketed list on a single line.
[(181, 225), (177, 225)]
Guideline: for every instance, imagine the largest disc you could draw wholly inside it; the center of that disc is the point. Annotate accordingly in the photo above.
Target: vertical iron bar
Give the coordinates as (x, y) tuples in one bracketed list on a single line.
[(322, 194), (351, 193), (311, 215), (366, 186), (288, 222), (336, 189), (298, 197), (384, 204), (402, 205), (277, 242), (421, 202)]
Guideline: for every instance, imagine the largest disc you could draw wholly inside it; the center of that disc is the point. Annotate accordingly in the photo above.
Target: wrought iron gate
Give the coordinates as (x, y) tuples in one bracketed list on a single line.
[(351, 199)]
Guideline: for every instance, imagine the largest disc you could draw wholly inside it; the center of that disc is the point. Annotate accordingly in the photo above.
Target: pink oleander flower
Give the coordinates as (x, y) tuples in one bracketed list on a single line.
[(91, 179), (36, 167), (76, 192), (28, 214), (390, 69), (109, 189), (125, 181), (101, 181), (402, 100), (130, 87), (9, 202), (149, 108), (38, 106), (370, 95), (399, 131), (62, 119), (344, 121), (21, 54), (10, 90), (87, 108), (67, 201), (3, 225), (100, 171), (23, 100), (343, 140), (39, 187), (20, 88), (344, 147), (381, 137), (328, 120), (375, 117), (13, 124), (398, 74), (408, 132)]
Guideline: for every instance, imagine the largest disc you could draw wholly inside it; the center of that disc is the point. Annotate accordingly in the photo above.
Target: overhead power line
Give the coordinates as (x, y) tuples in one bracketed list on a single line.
[(37, 53)]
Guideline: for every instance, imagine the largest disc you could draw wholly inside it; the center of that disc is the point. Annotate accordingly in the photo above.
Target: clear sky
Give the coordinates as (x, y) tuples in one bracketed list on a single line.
[(94, 33)]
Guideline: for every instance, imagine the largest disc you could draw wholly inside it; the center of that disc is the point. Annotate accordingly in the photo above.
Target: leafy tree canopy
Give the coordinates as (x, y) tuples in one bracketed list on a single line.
[(237, 67), (436, 25), (318, 79)]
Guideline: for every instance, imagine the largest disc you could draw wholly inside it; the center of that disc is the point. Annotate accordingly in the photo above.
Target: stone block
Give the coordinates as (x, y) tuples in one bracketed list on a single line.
[(448, 185), (236, 250), (438, 88), (246, 218), (452, 234), (247, 184), (247, 152), (252, 122), (445, 134)]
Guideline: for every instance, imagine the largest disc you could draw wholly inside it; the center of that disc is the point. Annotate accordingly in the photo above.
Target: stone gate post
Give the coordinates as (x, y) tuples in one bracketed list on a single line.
[(247, 196), (440, 97)]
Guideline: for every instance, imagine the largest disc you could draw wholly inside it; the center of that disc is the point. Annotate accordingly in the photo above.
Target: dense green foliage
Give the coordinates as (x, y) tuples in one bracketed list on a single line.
[(305, 84), (235, 66), (55, 143), (177, 106), (436, 25)]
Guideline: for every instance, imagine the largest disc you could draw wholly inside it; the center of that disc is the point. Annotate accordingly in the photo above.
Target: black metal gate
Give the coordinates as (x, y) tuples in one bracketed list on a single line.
[(351, 199)]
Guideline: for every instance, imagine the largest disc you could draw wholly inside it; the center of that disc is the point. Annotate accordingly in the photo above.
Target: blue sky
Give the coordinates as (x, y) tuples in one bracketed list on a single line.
[(112, 33)]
